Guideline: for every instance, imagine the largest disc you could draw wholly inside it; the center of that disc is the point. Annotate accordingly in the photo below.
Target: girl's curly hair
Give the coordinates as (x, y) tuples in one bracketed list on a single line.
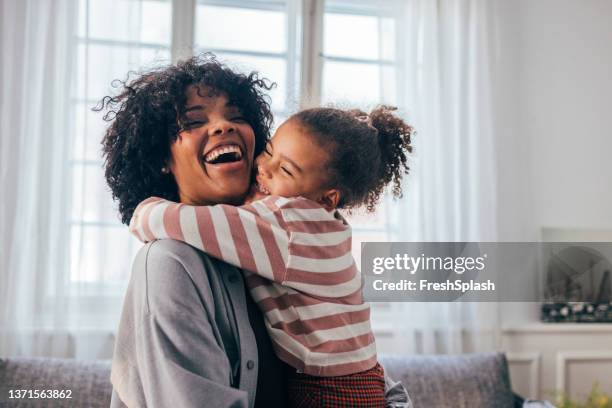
[(145, 119), (367, 151)]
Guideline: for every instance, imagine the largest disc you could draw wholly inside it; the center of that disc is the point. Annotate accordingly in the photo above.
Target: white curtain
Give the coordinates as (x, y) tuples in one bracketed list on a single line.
[(65, 257), (36, 63), (445, 58)]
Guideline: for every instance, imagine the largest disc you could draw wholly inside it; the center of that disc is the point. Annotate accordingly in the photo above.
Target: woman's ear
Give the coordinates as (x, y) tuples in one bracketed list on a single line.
[(330, 199), (168, 166)]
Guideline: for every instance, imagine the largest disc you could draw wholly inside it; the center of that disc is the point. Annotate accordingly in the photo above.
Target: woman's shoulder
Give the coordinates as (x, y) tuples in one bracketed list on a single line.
[(158, 259), (168, 251), (165, 271)]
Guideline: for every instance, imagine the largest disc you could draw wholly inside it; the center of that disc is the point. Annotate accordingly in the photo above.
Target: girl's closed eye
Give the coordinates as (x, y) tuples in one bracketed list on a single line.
[(286, 171)]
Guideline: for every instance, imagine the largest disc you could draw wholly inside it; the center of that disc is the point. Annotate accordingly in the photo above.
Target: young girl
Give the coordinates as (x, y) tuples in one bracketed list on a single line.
[(295, 247)]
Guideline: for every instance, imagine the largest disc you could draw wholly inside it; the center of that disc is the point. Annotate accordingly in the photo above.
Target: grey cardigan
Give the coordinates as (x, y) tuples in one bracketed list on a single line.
[(184, 333), (184, 338)]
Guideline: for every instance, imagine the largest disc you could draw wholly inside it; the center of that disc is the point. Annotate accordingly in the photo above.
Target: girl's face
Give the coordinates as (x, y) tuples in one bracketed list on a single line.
[(212, 158), (292, 165)]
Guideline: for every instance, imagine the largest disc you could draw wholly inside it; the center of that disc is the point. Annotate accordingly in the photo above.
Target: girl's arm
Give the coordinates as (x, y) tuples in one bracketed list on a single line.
[(239, 236), (291, 241)]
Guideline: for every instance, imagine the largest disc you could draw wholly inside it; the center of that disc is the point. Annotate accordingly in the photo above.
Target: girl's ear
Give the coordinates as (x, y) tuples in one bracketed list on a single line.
[(330, 199)]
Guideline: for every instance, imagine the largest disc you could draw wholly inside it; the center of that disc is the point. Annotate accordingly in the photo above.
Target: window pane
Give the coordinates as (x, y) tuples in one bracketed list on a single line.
[(358, 84), (91, 197), (88, 132), (156, 18), (107, 63), (131, 20), (387, 39), (351, 36), (358, 32), (82, 25), (101, 254), (388, 84), (274, 69), (235, 28), (355, 83), (78, 86)]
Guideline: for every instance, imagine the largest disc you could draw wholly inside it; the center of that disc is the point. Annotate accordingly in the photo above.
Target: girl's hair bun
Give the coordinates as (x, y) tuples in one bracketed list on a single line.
[(394, 140)]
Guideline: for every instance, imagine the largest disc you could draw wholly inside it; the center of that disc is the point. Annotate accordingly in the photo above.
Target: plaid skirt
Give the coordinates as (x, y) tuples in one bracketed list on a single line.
[(364, 389)]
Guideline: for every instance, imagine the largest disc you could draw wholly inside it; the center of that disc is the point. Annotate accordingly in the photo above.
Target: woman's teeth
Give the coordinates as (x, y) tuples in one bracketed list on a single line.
[(229, 153)]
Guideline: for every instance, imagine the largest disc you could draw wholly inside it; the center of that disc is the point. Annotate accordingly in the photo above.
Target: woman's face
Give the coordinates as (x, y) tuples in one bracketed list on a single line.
[(212, 158)]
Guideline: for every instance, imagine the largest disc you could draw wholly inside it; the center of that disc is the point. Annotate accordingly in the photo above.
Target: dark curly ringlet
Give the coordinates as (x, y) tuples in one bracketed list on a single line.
[(364, 157), (145, 119)]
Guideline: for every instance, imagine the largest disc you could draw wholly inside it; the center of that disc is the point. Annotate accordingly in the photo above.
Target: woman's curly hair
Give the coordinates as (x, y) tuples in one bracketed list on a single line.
[(145, 119), (367, 151)]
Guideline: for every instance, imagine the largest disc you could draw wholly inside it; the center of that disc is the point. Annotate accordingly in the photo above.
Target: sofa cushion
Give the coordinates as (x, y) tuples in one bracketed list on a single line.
[(89, 381), (468, 380), (472, 380)]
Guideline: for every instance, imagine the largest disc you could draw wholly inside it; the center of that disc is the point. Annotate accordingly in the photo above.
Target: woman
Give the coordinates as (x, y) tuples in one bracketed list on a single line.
[(190, 335)]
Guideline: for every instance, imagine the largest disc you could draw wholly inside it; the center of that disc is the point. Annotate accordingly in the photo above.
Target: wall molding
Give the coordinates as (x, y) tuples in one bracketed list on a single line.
[(534, 359), (564, 357), (560, 328)]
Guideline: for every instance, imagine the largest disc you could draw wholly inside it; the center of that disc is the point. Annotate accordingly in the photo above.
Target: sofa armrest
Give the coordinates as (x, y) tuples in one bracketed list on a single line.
[(469, 380), (88, 381)]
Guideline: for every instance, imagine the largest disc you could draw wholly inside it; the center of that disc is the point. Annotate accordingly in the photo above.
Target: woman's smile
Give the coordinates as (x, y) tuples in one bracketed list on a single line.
[(223, 153), (225, 156)]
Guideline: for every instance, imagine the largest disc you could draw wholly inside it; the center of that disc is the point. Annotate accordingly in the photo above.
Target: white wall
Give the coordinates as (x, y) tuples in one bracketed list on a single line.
[(554, 83)]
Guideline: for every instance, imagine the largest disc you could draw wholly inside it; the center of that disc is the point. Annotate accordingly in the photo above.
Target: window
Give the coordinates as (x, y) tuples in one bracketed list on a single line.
[(358, 70), (114, 37), (254, 35), (344, 55), (358, 54)]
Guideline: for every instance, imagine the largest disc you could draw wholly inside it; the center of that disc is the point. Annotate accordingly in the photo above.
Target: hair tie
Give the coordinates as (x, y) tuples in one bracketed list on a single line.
[(365, 119)]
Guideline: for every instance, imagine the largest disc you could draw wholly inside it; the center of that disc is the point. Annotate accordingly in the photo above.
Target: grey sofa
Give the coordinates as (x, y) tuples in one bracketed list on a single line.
[(473, 380)]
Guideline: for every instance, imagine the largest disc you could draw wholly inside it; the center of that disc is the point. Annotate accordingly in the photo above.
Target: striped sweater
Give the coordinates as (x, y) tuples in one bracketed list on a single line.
[(299, 269)]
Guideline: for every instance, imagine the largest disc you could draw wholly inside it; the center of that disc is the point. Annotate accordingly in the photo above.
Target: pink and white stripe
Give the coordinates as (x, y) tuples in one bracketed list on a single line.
[(298, 265)]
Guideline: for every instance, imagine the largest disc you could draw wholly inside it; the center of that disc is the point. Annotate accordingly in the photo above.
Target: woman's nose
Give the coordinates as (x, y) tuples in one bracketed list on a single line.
[(221, 127)]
